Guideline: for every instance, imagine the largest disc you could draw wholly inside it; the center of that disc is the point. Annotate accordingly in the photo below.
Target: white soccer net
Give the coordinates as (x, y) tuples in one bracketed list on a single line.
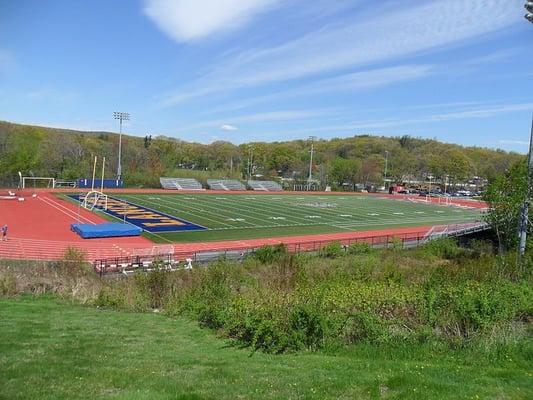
[(38, 182)]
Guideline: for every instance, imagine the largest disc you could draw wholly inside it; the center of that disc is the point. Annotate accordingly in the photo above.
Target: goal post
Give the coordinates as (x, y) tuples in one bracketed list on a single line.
[(96, 197), (37, 182)]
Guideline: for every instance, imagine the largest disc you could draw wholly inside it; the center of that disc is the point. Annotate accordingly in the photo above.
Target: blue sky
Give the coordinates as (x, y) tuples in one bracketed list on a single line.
[(240, 70)]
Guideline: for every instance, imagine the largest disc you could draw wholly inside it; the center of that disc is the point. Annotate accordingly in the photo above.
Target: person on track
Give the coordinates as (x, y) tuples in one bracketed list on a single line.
[(4, 232)]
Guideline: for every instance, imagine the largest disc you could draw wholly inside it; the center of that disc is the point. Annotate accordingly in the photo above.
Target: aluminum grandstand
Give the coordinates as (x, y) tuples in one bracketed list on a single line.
[(225, 184), (180, 183), (265, 186)]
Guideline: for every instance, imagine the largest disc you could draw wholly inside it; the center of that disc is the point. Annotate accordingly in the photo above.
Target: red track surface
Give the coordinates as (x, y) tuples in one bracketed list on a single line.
[(39, 228)]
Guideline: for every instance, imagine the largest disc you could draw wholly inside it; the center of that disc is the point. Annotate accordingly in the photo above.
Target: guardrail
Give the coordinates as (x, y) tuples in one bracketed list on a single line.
[(172, 260)]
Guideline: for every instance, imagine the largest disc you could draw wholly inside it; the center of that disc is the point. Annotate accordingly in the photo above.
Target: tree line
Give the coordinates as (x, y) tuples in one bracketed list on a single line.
[(68, 155)]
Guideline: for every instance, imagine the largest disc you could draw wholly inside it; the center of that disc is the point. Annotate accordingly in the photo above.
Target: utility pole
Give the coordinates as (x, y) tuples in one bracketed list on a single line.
[(311, 138), (250, 158), (386, 165), (524, 213), (121, 116)]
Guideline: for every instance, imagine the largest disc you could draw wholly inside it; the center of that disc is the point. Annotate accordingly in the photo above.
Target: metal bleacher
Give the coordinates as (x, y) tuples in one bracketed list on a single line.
[(180, 183), (225, 184), (265, 186)]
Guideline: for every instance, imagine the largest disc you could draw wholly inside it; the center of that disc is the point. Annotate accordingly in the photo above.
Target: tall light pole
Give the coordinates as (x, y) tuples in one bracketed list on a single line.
[(250, 159), (310, 178), (529, 8), (121, 116), (524, 212), (386, 165)]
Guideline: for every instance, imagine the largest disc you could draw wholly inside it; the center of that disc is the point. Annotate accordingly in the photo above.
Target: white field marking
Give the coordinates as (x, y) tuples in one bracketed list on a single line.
[(186, 198), (313, 216), (373, 214), (382, 223), (345, 215), (346, 226), (290, 211), (194, 214), (420, 212), (69, 213), (439, 212), (221, 211), (235, 219), (221, 198), (398, 213), (276, 218), (154, 198), (250, 198), (233, 207)]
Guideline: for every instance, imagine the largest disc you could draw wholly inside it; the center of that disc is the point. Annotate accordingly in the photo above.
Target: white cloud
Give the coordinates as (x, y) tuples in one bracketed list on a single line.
[(263, 117), (185, 20), (351, 82), (402, 31), (227, 127)]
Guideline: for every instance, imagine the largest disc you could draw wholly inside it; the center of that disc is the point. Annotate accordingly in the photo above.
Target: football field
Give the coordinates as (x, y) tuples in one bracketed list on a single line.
[(248, 216)]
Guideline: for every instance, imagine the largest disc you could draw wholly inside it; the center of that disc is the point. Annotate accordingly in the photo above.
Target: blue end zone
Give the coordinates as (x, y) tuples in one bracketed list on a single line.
[(145, 218), (111, 229)]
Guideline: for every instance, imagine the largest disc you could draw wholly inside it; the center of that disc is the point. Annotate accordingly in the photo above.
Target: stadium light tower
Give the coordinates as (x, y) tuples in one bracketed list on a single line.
[(386, 165), (312, 139), (529, 8), (121, 116), (524, 212)]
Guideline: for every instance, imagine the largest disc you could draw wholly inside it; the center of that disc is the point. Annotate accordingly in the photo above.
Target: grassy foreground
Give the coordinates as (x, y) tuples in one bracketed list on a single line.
[(53, 350)]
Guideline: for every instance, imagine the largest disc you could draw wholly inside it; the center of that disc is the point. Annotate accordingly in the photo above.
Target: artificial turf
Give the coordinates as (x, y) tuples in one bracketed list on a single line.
[(247, 216)]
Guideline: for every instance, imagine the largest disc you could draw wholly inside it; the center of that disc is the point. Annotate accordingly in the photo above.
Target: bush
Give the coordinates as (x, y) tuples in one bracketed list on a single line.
[(359, 248), (154, 285), (444, 247), (270, 254), (8, 285), (331, 250)]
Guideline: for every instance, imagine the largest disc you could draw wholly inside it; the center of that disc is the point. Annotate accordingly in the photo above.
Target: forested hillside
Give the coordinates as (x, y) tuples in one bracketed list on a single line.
[(67, 154)]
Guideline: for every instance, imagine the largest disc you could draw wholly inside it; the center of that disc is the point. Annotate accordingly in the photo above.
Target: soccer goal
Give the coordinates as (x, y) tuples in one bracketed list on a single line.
[(37, 182), (96, 198)]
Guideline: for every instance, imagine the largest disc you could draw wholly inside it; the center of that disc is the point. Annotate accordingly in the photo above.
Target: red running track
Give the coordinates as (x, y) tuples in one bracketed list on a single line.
[(39, 228)]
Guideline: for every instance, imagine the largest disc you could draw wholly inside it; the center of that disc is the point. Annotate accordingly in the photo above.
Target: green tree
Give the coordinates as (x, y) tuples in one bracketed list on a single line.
[(345, 171), (506, 195)]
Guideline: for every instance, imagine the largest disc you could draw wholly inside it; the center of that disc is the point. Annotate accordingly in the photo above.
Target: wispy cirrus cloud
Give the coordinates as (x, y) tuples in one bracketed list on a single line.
[(186, 20), (378, 124), (387, 36), (261, 117), (351, 82)]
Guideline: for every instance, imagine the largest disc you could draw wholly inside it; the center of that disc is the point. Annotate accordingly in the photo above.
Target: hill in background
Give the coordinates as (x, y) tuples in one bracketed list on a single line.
[(68, 154)]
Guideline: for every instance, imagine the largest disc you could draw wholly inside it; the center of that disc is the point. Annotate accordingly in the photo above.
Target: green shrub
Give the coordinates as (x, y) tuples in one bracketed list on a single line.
[(8, 285), (154, 285), (270, 254), (444, 247), (364, 327), (331, 250), (359, 248)]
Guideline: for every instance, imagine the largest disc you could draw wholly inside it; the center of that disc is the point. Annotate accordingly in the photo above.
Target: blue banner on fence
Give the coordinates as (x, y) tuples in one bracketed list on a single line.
[(146, 218), (108, 183)]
